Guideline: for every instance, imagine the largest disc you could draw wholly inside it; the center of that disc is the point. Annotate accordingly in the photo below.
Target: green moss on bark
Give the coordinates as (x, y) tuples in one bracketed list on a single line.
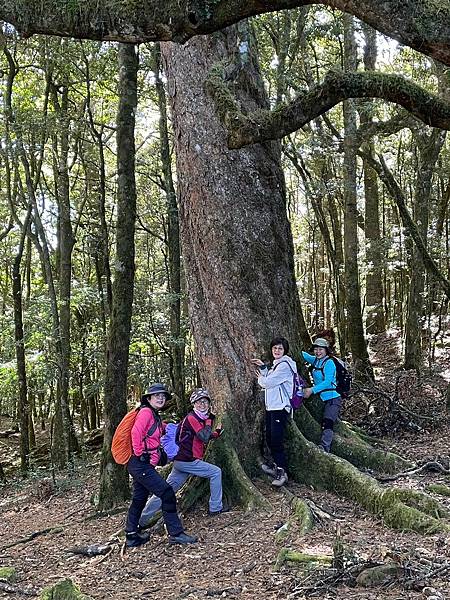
[(63, 590), (352, 447), (8, 574), (400, 509)]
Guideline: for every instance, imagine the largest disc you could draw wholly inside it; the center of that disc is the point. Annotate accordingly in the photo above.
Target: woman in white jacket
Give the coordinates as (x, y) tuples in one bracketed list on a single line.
[(277, 382)]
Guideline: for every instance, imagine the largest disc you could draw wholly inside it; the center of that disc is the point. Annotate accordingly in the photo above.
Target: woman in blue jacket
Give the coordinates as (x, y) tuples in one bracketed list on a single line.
[(324, 377)]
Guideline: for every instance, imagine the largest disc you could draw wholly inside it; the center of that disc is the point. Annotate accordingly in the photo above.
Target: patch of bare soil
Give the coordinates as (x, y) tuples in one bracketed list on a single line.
[(236, 556), (237, 551)]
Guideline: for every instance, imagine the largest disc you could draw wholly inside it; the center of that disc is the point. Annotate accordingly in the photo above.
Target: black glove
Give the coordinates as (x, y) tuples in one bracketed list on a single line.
[(163, 458)]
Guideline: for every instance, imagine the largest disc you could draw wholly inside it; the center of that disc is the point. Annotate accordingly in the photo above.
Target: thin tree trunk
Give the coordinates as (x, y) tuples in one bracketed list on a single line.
[(114, 478), (375, 318), (177, 335), (362, 366), (66, 243), (23, 405)]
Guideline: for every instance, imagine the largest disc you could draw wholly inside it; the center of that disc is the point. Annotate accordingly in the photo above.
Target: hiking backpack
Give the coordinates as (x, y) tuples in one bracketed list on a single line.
[(121, 447), (298, 383), (170, 439), (343, 376)]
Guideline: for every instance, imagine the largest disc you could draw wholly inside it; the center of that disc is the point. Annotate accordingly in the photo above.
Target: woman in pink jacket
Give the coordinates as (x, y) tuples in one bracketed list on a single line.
[(145, 438)]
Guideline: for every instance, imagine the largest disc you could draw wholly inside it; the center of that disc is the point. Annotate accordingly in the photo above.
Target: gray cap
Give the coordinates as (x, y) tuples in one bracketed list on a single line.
[(321, 343)]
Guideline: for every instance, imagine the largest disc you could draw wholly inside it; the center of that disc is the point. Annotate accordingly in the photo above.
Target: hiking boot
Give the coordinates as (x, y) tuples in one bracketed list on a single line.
[(183, 538), (280, 478), (135, 539), (269, 469), (224, 509)]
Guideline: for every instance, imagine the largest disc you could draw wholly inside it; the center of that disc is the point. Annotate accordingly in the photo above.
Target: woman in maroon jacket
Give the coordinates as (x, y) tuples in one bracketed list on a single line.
[(145, 438), (195, 431)]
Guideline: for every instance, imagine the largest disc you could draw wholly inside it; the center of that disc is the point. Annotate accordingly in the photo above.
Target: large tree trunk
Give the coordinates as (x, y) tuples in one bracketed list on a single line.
[(239, 268), (114, 478), (237, 242)]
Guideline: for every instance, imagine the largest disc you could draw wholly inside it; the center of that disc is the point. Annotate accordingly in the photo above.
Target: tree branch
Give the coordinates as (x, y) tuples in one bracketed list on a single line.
[(424, 26), (263, 125)]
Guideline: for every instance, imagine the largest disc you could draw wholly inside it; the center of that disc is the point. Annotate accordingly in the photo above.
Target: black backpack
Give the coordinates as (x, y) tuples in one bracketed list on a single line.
[(343, 376)]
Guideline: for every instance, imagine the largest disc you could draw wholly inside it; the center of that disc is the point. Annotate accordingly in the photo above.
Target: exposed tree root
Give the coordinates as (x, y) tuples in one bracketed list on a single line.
[(302, 514), (400, 509), (352, 447), (439, 488), (287, 555), (429, 466), (237, 484)]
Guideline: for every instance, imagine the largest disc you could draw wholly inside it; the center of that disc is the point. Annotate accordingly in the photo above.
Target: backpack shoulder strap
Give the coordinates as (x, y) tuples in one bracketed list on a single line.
[(315, 365), (154, 426), (283, 362)]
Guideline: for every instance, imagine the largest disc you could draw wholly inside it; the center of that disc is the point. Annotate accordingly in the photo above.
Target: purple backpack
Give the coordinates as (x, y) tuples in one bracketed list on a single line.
[(298, 383), (170, 439)]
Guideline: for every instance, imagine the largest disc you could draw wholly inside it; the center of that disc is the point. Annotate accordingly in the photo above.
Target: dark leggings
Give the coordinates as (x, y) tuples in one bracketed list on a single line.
[(147, 481), (276, 421)]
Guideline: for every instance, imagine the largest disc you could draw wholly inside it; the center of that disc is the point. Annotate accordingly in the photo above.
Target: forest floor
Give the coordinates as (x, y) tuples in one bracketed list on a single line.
[(237, 551)]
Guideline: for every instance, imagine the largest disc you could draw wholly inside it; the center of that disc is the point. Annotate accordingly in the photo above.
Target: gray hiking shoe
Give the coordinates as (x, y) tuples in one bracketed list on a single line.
[(269, 469), (183, 538), (280, 478)]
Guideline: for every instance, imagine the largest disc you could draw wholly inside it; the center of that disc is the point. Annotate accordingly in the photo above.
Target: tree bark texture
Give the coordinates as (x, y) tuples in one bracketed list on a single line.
[(428, 148), (114, 478), (236, 238)]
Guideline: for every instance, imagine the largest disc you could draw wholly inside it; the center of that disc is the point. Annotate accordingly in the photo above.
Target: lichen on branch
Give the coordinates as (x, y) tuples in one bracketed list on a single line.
[(263, 125)]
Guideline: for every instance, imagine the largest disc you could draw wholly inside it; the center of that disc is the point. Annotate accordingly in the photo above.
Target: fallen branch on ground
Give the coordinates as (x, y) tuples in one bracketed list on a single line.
[(429, 466), (32, 536)]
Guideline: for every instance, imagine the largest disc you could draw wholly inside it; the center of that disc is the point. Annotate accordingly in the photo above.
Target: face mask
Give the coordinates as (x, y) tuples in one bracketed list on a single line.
[(202, 413)]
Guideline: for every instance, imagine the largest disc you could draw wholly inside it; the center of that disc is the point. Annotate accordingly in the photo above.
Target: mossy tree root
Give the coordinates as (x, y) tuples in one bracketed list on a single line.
[(400, 509), (352, 447), (237, 485), (302, 514), (439, 488), (63, 590), (305, 560)]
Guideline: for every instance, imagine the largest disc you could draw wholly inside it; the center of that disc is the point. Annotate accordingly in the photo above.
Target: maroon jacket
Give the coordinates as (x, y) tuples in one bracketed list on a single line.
[(194, 436)]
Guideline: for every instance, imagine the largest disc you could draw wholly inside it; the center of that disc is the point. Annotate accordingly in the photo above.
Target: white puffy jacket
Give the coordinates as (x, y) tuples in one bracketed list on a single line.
[(277, 383)]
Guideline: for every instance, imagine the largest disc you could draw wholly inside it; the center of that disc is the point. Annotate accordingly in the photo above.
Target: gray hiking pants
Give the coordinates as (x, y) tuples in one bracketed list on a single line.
[(181, 470), (331, 411)]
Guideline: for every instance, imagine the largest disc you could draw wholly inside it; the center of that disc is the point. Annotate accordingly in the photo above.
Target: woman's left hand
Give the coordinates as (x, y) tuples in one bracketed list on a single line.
[(307, 392)]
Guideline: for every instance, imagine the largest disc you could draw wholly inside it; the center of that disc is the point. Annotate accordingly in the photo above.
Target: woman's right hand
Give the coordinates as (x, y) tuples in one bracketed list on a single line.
[(258, 362)]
